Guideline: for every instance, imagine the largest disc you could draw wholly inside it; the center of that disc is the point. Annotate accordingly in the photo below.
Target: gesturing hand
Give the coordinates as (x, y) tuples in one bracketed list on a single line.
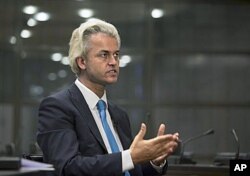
[(161, 159), (153, 149)]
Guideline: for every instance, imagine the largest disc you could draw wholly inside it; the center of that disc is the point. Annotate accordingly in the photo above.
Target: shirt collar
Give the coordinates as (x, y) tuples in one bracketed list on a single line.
[(90, 97)]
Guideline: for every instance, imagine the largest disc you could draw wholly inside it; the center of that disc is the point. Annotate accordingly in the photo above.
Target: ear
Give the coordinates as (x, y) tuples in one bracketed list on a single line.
[(81, 63)]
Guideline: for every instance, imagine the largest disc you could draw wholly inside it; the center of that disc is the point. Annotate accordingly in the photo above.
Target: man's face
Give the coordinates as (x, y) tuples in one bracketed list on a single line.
[(102, 62)]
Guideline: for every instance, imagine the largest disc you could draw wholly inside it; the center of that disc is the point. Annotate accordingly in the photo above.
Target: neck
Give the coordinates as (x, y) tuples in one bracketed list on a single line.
[(96, 88)]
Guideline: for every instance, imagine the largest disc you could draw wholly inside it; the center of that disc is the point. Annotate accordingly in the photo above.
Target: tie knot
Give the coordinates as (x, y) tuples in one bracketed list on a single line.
[(101, 105)]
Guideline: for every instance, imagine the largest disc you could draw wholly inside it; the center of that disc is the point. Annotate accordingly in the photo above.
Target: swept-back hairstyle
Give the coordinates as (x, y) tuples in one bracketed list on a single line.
[(79, 42)]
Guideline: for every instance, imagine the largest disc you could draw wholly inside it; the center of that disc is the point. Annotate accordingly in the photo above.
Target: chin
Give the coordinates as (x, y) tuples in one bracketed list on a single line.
[(111, 81)]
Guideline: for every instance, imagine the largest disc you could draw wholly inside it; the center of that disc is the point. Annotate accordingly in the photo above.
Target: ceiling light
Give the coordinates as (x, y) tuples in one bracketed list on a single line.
[(157, 13), (25, 33), (12, 40), (52, 76), (65, 60), (31, 22), (125, 59), (42, 16), (56, 57), (121, 64), (85, 13), (36, 90), (30, 9), (62, 73)]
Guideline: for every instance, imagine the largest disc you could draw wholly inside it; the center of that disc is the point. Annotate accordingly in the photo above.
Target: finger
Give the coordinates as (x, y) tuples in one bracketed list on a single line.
[(162, 139), (161, 130), (160, 159), (176, 136), (142, 132)]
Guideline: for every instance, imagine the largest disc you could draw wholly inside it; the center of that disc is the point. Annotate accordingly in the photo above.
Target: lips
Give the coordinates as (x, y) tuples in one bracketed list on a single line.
[(112, 71)]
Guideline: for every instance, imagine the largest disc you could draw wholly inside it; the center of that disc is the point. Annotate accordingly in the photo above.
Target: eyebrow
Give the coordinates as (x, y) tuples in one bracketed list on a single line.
[(107, 51)]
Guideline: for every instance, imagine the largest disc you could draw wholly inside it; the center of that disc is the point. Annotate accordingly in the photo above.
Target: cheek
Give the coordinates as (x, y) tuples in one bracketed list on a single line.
[(96, 70)]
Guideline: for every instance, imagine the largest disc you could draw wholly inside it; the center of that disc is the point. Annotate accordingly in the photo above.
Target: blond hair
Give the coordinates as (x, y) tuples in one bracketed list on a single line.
[(79, 42)]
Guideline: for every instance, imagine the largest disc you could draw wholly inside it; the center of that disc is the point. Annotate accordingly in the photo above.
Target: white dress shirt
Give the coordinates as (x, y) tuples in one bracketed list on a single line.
[(92, 99)]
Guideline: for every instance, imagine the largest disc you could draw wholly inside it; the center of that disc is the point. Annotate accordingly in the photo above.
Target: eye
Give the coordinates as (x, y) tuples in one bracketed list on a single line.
[(116, 55), (103, 55)]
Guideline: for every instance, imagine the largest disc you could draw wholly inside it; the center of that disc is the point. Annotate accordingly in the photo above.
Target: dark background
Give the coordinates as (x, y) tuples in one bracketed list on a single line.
[(190, 69)]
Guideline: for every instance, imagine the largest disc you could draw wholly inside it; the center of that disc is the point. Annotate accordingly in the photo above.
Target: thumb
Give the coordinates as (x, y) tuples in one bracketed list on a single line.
[(142, 132)]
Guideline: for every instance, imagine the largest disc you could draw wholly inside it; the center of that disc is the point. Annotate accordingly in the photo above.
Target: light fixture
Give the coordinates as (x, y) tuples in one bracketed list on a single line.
[(31, 22), (85, 13), (30, 9), (65, 60), (36, 90), (52, 76), (25, 33), (56, 57), (124, 60), (121, 64), (42, 16), (12, 40), (157, 13), (62, 73)]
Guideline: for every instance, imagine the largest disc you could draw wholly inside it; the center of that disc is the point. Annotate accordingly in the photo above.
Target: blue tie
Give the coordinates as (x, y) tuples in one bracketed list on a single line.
[(101, 106)]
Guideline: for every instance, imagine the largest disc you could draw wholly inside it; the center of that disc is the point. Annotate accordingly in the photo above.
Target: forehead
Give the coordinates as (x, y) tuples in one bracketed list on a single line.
[(103, 40)]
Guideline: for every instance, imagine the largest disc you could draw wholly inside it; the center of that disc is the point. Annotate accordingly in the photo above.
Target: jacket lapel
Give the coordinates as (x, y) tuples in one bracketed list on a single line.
[(82, 106), (119, 126)]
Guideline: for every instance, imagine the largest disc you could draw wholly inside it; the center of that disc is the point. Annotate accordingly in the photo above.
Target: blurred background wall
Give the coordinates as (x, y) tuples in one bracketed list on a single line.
[(185, 63)]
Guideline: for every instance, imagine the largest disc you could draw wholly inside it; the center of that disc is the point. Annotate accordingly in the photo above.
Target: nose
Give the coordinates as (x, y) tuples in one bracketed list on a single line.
[(113, 60)]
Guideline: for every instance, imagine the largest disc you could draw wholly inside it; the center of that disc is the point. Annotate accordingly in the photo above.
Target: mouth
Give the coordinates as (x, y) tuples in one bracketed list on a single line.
[(112, 71)]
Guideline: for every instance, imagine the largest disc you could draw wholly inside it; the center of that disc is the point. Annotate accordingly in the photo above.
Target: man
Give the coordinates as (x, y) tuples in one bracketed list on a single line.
[(81, 135)]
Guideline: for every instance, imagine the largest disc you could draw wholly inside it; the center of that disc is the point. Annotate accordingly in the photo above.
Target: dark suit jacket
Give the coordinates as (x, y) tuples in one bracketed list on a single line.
[(70, 140)]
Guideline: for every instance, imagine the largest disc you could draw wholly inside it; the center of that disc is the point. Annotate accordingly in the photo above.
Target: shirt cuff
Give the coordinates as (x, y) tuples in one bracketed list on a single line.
[(127, 163), (158, 168)]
